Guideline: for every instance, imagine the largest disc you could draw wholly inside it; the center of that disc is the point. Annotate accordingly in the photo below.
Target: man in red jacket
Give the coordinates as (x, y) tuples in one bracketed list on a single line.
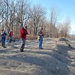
[(23, 34)]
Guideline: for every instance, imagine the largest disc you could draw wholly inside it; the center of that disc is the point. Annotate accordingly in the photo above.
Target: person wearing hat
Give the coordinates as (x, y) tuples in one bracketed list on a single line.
[(23, 34)]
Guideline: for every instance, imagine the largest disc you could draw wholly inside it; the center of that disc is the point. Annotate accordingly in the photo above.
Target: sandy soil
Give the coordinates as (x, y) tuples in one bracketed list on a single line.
[(53, 59)]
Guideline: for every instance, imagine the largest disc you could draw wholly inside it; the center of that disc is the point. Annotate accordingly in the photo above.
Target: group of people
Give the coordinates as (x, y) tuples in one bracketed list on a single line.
[(23, 34), (3, 37)]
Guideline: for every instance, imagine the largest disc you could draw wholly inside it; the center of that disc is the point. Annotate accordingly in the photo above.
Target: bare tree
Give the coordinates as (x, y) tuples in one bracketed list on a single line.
[(2, 11), (65, 28), (22, 11), (36, 14), (14, 14), (5, 13), (53, 21)]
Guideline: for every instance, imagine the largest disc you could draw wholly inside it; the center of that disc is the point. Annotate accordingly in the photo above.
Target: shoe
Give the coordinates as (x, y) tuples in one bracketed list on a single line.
[(21, 50), (40, 48), (4, 47)]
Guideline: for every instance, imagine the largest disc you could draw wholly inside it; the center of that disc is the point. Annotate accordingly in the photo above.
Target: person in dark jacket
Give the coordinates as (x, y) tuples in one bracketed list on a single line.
[(23, 34), (10, 36), (40, 38), (3, 38)]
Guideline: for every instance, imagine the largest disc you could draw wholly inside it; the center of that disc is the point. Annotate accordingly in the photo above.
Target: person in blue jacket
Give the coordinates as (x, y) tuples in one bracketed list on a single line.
[(40, 37), (3, 38)]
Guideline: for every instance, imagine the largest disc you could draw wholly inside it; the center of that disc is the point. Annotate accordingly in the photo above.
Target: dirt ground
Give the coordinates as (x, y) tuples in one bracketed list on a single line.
[(56, 58)]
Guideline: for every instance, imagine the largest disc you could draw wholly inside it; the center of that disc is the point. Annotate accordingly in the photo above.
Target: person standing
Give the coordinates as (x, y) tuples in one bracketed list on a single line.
[(40, 38), (10, 36), (23, 34), (3, 38)]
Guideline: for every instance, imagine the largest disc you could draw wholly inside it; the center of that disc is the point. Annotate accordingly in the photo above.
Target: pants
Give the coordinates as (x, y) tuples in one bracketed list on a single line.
[(40, 43), (23, 44), (10, 39), (3, 42)]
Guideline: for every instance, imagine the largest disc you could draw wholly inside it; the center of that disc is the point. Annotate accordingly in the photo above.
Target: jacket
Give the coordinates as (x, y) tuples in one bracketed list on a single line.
[(23, 33), (40, 35), (3, 36), (10, 34)]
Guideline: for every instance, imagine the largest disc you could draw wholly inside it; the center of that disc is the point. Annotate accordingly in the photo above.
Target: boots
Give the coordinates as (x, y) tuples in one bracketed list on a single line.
[(22, 48), (3, 45)]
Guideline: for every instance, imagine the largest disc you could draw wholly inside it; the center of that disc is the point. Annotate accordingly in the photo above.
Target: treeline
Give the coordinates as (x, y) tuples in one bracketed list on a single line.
[(16, 13)]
